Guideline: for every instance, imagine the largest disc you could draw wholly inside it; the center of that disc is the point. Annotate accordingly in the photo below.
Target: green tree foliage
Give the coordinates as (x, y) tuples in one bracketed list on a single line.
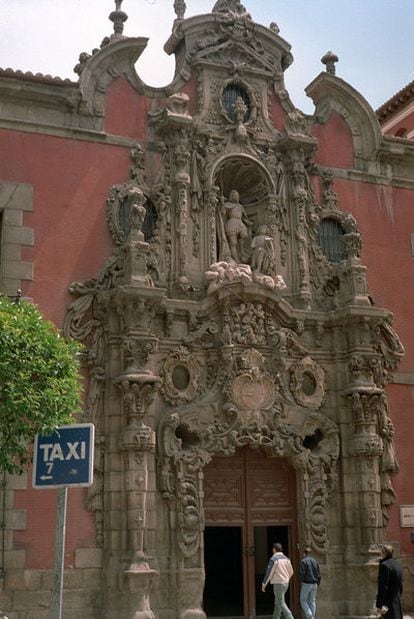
[(40, 386)]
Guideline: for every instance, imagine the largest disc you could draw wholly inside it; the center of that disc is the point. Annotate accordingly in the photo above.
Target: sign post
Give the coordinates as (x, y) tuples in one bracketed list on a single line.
[(61, 460), (57, 593)]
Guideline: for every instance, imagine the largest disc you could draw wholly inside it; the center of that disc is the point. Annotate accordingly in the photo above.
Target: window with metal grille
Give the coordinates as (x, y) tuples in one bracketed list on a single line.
[(331, 240), (230, 95)]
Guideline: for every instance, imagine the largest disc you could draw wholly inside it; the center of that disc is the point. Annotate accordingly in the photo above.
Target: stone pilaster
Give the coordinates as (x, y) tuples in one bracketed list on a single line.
[(365, 447), (137, 443)]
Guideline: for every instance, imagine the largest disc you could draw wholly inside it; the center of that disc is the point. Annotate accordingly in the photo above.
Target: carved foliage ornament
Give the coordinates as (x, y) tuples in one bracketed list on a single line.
[(308, 383), (181, 373)]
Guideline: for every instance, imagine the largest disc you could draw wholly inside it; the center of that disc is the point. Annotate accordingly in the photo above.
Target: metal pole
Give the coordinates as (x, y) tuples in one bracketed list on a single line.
[(57, 593)]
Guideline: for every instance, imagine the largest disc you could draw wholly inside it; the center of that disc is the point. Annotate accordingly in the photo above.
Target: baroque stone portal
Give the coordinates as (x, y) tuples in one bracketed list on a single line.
[(232, 314)]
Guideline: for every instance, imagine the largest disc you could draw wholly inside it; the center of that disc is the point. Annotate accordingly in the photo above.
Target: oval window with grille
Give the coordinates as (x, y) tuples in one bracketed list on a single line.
[(231, 94), (331, 240)]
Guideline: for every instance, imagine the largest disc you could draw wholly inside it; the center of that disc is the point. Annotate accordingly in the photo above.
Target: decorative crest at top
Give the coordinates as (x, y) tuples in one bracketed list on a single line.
[(231, 8), (118, 17), (180, 8)]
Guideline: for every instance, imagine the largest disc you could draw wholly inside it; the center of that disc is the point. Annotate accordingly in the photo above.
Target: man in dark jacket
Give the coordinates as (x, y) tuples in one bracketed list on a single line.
[(310, 577), (389, 585)]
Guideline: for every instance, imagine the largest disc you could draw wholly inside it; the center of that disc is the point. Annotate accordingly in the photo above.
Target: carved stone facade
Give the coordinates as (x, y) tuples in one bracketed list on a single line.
[(252, 331), (231, 314)]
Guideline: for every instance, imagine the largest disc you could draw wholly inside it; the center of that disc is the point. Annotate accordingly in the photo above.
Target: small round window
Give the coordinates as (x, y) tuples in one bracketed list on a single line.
[(308, 384), (180, 377), (331, 240), (236, 102)]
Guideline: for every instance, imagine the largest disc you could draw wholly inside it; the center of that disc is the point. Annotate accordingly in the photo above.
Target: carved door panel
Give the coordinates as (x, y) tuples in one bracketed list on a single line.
[(255, 495)]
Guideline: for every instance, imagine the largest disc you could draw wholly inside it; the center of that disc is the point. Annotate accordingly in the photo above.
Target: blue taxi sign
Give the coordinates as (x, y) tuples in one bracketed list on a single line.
[(65, 457)]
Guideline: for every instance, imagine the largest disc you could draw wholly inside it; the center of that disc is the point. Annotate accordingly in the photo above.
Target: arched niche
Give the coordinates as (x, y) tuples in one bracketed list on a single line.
[(247, 176), (255, 188)]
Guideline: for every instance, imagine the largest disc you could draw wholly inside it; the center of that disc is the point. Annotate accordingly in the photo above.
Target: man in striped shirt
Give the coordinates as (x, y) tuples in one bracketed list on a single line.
[(279, 571)]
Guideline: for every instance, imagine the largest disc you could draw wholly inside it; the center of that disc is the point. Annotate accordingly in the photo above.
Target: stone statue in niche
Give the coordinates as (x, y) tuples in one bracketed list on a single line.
[(137, 211), (240, 111), (263, 252), (234, 229), (240, 258)]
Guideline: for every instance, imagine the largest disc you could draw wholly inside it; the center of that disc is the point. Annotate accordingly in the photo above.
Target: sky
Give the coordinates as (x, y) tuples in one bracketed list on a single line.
[(372, 38)]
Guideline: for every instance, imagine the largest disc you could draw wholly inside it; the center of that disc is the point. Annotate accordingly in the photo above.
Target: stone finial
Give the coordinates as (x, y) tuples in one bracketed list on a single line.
[(329, 60), (118, 17), (180, 8)]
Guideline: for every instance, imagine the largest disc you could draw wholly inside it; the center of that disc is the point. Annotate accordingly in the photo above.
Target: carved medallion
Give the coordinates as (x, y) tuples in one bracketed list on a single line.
[(253, 393), (252, 389), (308, 383)]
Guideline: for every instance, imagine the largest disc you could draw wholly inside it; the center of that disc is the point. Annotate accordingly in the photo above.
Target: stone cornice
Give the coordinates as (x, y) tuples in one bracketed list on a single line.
[(39, 89), (378, 158)]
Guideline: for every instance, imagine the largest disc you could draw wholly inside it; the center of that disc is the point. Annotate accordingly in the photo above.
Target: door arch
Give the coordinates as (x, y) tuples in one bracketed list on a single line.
[(249, 502)]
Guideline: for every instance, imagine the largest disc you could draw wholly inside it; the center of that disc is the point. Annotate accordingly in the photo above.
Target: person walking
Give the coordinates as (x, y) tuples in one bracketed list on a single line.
[(279, 571), (390, 585), (310, 578)]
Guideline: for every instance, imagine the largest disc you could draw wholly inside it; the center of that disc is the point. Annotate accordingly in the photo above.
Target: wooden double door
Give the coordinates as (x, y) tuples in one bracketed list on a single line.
[(249, 503)]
